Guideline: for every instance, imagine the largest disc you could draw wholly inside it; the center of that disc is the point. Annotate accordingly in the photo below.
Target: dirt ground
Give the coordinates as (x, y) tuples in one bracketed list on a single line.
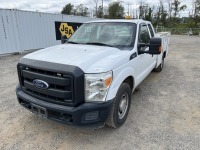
[(164, 114)]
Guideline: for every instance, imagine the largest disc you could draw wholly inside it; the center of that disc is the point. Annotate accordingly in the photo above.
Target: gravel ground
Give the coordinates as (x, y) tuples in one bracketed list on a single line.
[(164, 114)]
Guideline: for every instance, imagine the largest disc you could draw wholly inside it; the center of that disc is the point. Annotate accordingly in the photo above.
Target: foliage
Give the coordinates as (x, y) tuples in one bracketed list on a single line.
[(68, 9), (99, 12), (79, 10), (115, 10), (177, 8), (161, 15), (95, 5), (166, 14)]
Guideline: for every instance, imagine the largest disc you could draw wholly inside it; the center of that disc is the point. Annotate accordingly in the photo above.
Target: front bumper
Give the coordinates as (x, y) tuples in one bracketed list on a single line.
[(84, 114)]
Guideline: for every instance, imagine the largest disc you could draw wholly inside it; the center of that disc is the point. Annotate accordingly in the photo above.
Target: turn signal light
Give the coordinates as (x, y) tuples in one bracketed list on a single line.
[(108, 81)]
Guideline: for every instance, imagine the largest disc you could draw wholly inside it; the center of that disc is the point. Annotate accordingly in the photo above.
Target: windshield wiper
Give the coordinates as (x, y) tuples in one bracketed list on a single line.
[(96, 43), (72, 42)]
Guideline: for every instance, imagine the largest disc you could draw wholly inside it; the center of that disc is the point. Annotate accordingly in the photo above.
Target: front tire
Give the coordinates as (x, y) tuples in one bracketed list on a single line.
[(120, 107)]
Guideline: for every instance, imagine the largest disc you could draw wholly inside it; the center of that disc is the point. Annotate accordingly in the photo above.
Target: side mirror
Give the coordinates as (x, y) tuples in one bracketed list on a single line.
[(155, 46), (63, 39)]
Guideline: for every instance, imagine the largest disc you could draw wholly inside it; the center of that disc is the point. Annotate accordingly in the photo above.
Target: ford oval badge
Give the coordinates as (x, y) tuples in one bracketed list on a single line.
[(40, 84)]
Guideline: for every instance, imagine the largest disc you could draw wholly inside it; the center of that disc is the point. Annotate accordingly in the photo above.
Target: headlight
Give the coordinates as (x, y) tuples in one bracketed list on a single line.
[(97, 85)]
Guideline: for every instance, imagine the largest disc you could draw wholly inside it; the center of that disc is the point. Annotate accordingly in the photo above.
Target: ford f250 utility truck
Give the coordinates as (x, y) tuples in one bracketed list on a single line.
[(89, 79)]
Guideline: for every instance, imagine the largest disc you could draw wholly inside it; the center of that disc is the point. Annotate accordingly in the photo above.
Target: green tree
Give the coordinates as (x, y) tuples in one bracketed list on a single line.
[(148, 15), (163, 14), (177, 8), (197, 7), (81, 10), (68, 9), (197, 13), (99, 12), (95, 5), (141, 10), (115, 10), (157, 16), (145, 11), (169, 9), (160, 14)]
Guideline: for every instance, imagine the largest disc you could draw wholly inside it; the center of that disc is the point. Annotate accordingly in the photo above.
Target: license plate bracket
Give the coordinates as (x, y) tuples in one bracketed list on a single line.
[(39, 111)]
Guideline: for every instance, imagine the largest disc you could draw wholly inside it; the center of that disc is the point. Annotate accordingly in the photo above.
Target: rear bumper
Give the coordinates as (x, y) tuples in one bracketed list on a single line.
[(84, 114)]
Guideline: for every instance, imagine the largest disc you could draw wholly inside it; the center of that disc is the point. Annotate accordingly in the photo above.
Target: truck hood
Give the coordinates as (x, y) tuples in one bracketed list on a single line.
[(90, 58)]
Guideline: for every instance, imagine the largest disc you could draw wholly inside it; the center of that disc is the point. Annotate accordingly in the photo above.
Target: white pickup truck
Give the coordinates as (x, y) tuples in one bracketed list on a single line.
[(89, 79)]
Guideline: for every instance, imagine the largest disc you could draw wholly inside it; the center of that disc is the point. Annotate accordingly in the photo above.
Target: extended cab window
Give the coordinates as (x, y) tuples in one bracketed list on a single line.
[(151, 30), (143, 36)]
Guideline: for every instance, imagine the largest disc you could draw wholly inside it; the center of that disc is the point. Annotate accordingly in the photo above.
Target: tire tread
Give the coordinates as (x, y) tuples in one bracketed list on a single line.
[(110, 122)]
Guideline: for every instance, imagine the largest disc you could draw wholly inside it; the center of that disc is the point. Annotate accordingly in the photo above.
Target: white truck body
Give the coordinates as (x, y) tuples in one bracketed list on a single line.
[(95, 59)]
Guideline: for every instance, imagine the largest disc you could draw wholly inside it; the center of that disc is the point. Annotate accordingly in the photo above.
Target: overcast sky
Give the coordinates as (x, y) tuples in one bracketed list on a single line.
[(55, 6)]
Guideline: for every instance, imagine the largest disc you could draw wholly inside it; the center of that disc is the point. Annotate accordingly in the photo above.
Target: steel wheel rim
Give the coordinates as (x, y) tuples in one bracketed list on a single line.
[(162, 63), (123, 106)]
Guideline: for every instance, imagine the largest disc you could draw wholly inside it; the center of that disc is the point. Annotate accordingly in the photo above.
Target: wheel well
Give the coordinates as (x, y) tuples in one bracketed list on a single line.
[(164, 54), (129, 80)]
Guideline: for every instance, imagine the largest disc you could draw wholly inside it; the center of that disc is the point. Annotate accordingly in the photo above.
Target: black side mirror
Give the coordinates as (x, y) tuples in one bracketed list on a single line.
[(63, 39), (155, 46)]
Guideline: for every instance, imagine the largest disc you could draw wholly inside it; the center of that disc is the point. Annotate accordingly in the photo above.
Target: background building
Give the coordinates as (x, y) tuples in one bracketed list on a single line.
[(26, 30)]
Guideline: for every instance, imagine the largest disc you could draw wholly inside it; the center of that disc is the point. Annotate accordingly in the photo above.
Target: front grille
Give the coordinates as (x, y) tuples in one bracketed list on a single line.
[(60, 90)]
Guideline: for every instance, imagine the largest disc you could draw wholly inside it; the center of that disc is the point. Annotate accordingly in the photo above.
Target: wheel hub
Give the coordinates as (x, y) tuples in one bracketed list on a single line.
[(123, 105)]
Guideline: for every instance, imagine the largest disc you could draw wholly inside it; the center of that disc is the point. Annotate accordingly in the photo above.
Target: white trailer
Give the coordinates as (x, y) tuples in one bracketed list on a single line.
[(26, 30)]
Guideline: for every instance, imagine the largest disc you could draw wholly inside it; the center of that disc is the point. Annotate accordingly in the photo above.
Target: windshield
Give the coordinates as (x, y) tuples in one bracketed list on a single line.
[(105, 34)]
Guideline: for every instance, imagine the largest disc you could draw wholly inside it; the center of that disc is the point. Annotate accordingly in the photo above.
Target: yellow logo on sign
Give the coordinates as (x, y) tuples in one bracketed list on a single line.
[(66, 30)]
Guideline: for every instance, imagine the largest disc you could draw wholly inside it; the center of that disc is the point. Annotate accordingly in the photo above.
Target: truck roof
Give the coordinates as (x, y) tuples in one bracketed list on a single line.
[(120, 20)]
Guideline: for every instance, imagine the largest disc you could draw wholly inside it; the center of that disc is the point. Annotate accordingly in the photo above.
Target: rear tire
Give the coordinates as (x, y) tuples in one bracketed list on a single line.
[(160, 67), (120, 107)]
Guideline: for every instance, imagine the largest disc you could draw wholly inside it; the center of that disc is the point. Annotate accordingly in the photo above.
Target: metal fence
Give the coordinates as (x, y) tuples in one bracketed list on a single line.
[(180, 31)]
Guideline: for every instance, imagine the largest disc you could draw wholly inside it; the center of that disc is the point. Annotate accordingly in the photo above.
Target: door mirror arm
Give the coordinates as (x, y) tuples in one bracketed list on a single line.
[(63, 39), (140, 45)]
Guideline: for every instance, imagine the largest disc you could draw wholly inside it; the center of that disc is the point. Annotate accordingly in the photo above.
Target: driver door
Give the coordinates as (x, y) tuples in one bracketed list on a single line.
[(146, 61)]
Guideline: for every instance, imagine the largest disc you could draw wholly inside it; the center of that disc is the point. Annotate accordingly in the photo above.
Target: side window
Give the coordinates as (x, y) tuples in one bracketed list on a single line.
[(143, 36), (151, 30)]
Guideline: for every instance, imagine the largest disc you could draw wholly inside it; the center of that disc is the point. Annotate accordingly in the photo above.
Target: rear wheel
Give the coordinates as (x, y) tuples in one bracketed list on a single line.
[(120, 107), (160, 67)]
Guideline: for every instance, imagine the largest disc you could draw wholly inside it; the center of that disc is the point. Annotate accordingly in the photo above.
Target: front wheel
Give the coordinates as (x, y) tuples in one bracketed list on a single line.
[(120, 107)]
